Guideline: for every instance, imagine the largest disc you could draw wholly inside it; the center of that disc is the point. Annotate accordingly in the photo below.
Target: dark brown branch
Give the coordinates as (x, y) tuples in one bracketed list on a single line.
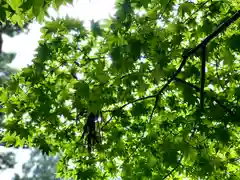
[(1, 42), (205, 93), (168, 82), (174, 169), (123, 106), (200, 7), (203, 65), (136, 100), (221, 28), (89, 60)]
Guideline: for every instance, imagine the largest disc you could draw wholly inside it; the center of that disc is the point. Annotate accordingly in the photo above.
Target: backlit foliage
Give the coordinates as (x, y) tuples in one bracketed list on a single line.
[(120, 67)]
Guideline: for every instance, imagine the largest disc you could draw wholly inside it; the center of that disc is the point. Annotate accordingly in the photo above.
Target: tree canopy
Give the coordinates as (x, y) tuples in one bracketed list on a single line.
[(7, 159), (21, 11), (150, 93)]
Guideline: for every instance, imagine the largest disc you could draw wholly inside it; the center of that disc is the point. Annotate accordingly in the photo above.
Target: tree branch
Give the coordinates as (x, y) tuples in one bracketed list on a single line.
[(123, 106), (203, 64), (221, 28), (212, 97)]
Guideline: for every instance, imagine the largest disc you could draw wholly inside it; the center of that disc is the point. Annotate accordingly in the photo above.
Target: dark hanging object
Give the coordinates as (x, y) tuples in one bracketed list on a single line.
[(1, 42), (90, 132)]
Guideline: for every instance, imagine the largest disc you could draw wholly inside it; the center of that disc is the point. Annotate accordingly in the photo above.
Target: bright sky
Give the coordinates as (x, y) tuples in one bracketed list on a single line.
[(24, 46)]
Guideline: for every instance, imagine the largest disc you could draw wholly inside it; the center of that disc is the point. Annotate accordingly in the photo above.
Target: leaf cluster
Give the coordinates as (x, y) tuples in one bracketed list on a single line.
[(141, 69)]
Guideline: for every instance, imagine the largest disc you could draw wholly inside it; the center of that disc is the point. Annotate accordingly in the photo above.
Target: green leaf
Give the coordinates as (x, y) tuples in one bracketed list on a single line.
[(228, 57), (88, 174), (58, 3), (222, 134), (185, 8), (111, 166), (43, 145), (188, 94), (2, 14), (139, 50), (216, 112), (15, 3), (9, 139), (172, 27), (37, 7), (135, 47), (233, 42), (82, 89), (144, 3), (74, 24), (170, 157), (139, 109), (17, 19), (41, 16), (70, 1), (4, 96), (19, 142), (237, 92), (118, 113), (207, 27), (152, 161), (43, 52), (27, 5), (95, 28)]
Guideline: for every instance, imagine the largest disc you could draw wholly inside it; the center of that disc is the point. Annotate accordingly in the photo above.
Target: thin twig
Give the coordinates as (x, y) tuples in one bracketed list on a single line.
[(212, 97), (200, 7), (123, 106), (167, 84)]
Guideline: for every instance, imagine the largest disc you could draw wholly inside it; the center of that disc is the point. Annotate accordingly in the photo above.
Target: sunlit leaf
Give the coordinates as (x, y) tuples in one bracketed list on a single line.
[(15, 3), (128, 87)]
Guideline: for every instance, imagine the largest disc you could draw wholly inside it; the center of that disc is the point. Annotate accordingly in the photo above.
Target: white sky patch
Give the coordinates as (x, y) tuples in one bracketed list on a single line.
[(22, 155), (24, 46)]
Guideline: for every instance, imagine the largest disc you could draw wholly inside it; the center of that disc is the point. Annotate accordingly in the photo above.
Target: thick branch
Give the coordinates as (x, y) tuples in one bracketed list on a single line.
[(221, 28), (203, 64)]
